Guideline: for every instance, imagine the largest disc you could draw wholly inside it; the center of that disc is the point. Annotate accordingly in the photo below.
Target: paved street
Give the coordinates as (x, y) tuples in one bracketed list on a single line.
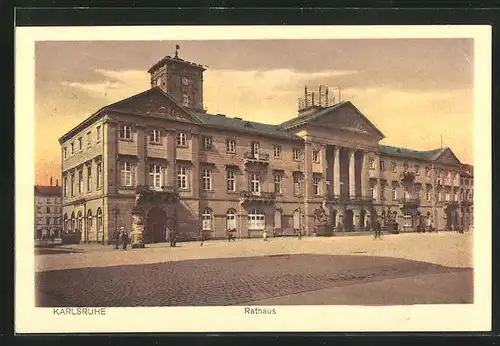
[(400, 269)]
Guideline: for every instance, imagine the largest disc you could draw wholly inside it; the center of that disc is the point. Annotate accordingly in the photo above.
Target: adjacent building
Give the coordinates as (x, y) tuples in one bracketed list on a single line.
[(48, 211), (161, 152)]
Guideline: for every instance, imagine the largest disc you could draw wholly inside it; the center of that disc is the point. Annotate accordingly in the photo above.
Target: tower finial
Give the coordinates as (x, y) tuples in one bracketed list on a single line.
[(177, 47)]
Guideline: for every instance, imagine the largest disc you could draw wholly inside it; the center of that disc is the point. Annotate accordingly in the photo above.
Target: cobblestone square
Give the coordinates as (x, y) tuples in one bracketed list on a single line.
[(400, 269)]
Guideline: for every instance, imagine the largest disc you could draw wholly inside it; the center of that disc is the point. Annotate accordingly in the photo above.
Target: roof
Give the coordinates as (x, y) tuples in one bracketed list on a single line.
[(47, 190), (168, 58), (237, 124), (315, 113), (424, 155)]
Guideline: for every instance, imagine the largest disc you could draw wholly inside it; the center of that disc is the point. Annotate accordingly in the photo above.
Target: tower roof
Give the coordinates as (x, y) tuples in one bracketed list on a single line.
[(175, 60)]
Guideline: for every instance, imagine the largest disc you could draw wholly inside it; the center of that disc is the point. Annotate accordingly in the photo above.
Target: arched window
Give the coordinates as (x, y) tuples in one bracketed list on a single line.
[(297, 219), (99, 220), (231, 219), (206, 219), (73, 223), (277, 219), (79, 221), (89, 221), (256, 220), (65, 222)]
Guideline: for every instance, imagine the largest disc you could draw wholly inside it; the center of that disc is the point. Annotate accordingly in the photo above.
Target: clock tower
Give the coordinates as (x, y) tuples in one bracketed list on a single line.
[(181, 79)]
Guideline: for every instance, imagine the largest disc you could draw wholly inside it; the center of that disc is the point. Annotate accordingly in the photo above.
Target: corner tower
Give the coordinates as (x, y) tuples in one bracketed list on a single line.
[(181, 79)]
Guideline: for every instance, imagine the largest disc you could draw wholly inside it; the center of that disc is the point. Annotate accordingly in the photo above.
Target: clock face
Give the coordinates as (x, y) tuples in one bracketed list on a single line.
[(185, 80)]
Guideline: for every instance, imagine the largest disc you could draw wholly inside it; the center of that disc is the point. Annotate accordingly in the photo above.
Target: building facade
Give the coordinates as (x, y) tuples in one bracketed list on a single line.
[(48, 211), (161, 152)]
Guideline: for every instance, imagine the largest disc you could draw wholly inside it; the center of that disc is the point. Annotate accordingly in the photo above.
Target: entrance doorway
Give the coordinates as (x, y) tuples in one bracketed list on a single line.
[(156, 225), (349, 221)]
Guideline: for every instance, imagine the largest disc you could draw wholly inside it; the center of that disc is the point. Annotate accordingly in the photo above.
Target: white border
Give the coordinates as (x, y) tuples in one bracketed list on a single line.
[(473, 317)]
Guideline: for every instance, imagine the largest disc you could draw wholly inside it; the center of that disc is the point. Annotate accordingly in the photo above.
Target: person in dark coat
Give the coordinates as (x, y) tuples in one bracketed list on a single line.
[(124, 239), (116, 238), (172, 237)]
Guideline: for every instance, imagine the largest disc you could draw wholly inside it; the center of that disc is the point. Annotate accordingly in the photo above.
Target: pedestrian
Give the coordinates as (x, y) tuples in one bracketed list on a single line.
[(171, 236), (299, 234), (264, 235), (202, 237), (378, 229), (116, 238), (124, 238)]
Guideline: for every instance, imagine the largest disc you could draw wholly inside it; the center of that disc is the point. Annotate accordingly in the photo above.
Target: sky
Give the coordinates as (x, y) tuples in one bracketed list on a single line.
[(416, 91)]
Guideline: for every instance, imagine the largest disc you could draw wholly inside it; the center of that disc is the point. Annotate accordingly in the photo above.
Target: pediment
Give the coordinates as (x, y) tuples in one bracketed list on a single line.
[(447, 157), (154, 102), (348, 118)]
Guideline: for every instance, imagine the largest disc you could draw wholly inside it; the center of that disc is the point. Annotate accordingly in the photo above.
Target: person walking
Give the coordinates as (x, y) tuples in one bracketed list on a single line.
[(202, 237), (264, 235), (171, 236), (124, 238), (378, 229)]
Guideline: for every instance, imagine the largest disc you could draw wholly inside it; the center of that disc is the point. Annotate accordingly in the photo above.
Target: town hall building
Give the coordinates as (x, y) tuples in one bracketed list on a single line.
[(160, 151)]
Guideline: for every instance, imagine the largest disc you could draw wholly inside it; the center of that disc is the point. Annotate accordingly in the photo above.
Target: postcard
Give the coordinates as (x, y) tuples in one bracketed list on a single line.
[(263, 178)]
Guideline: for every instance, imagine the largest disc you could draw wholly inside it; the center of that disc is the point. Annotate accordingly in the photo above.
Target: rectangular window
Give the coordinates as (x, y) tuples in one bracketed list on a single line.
[(447, 196), (393, 166), (126, 132), (89, 139), (98, 175), (207, 143), (417, 170), (80, 144), (126, 173), (254, 183), (372, 192), (296, 154), (277, 151), (231, 181), (382, 166), (65, 152), (47, 220), (296, 184), (277, 183), (255, 150), (207, 179), (182, 178), (231, 146), (185, 100), (80, 181), (72, 184), (98, 133), (407, 220), (72, 145), (382, 193), (155, 136), (89, 178), (428, 196), (65, 187), (48, 209), (316, 156), (181, 139), (155, 176), (316, 185), (371, 163), (394, 193), (439, 196)]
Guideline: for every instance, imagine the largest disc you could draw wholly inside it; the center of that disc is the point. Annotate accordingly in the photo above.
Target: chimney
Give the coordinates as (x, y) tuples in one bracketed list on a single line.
[(50, 181), (57, 182)]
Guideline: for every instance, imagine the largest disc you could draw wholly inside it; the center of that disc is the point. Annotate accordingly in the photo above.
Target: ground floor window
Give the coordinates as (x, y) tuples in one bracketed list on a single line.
[(296, 219), (408, 219), (206, 220), (231, 219), (256, 220)]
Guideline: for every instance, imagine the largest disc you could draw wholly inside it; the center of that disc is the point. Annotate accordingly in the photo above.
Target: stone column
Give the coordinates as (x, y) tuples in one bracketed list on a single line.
[(324, 166), (336, 172), (365, 179), (378, 190), (308, 185), (352, 173)]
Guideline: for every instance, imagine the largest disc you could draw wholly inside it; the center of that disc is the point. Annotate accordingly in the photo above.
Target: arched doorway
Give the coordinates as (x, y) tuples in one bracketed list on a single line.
[(349, 220), (89, 225), (156, 225), (362, 217), (333, 217)]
